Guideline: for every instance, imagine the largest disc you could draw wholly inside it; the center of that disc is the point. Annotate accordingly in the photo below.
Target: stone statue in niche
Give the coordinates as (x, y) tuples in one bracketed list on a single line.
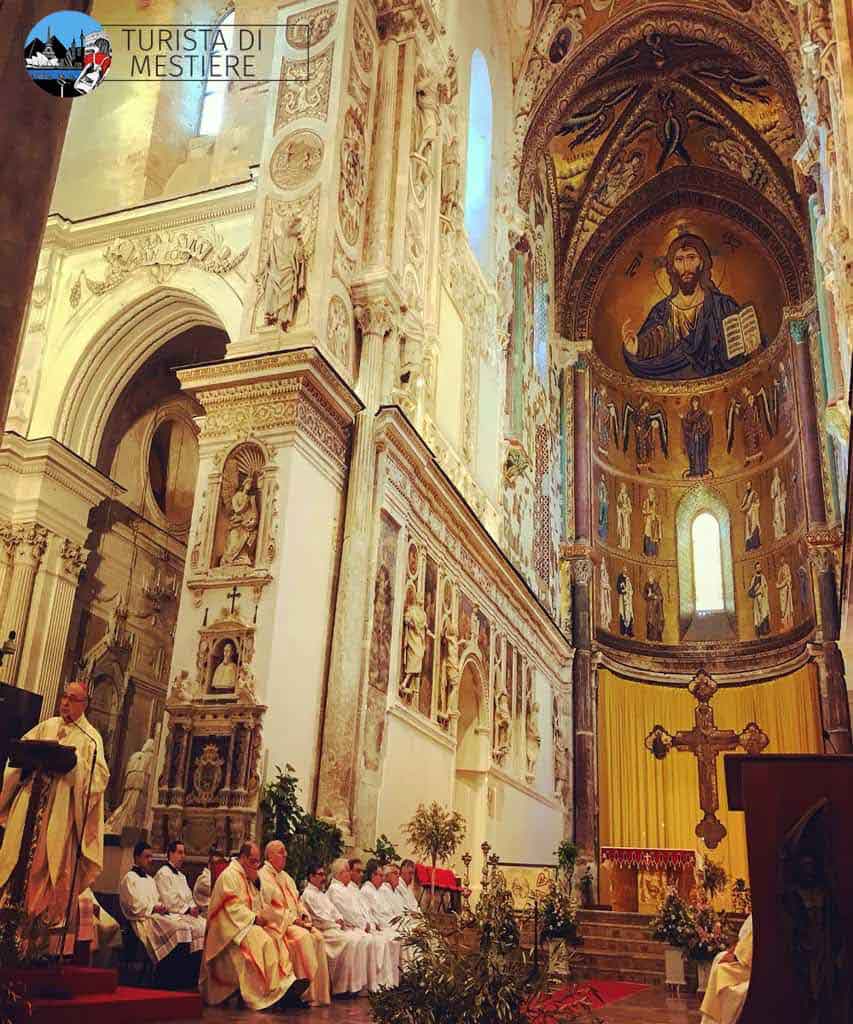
[(130, 813), (624, 511), (751, 507), (224, 676), (503, 721), (448, 693), (605, 597), (785, 590), (450, 177), (759, 592), (284, 277), (182, 690), (697, 431), (753, 411), (534, 737), (561, 753), (779, 498), (625, 592), (654, 608), (427, 120), (239, 506), (652, 531), (246, 690), (414, 643)]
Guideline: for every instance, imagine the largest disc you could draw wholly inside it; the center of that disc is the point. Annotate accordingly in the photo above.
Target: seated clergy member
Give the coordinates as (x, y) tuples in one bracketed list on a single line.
[(239, 954), (162, 934), (350, 905), (728, 982), (346, 949), (216, 863), (175, 892), (288, 917), (390, 899), (380, 917), (406, 888)]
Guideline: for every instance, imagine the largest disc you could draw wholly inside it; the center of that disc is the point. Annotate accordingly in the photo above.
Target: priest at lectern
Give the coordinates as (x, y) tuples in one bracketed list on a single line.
[(66, 818)]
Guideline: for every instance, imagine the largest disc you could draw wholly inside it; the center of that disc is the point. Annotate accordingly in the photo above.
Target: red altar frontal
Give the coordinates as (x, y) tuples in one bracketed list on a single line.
[(634, 881)]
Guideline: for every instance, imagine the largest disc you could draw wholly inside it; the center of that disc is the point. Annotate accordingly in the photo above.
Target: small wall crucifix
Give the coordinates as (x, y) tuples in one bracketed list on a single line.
[(705, 741)]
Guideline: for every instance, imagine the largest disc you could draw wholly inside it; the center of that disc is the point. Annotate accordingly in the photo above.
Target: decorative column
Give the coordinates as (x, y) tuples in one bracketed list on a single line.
[(584, 709), (834, 705), (813, 457), (53, 598), (30, 546), (342, 721)]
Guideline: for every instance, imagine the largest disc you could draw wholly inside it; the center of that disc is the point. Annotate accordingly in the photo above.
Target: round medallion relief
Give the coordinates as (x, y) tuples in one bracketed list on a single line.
[(296, 159)]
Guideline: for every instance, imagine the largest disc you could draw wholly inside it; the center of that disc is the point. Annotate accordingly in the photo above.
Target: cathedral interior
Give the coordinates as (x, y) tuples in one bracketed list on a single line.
[(449, 411)]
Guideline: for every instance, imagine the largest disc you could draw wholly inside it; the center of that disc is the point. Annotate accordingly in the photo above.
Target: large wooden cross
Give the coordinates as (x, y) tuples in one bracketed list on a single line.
[(705, 741)]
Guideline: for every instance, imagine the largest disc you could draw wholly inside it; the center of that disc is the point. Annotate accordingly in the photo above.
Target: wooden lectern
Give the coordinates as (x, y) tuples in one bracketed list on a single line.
[(43, 759), (799, 830), (19, 712)]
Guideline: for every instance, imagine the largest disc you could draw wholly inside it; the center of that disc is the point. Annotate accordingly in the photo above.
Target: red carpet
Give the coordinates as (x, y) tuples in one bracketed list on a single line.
[(124, 1006), (573, 999), (613, 991)]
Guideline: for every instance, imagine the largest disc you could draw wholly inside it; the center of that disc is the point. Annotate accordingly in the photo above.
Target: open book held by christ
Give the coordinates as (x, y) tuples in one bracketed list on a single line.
[(742, 333)]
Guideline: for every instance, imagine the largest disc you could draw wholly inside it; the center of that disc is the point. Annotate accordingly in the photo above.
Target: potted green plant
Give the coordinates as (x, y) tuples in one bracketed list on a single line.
[(435, 833), (567, 857), (586, 886), (559, 926), (385, 851), (674, 926), (741, 897)]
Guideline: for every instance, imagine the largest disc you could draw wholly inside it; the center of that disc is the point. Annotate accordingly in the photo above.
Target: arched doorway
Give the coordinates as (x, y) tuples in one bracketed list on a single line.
[(470, 791)]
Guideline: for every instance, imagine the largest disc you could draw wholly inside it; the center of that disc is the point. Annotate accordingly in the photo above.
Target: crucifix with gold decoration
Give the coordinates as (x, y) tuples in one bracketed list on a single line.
[(705, 741)]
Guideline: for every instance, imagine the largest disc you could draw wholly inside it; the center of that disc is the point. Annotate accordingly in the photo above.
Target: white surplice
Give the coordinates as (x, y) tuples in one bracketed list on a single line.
[(408, 898), (201, 891), (158, 933), (729, 982), (381, 920), (176, 897), (350, 906), (346, 950)]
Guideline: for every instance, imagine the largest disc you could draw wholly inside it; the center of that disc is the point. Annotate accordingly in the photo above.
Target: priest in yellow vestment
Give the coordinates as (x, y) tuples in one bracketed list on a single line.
[(728, 982), (238, 952), (67, 816), (288, 917)]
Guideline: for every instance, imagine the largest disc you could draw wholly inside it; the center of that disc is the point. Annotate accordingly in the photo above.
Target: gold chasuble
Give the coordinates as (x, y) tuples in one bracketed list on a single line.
[(650, 804), (65, 819), (237, 952)]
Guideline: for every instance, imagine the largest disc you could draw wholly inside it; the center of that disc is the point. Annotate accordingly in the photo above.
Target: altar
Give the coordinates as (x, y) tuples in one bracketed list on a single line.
[(635, 881)]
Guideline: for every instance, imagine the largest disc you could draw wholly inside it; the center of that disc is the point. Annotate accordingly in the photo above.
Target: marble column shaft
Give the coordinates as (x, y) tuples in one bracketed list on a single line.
[(341, 726), (31, 545), (815, 499), (584, 711), (834, 705), (583, 507)]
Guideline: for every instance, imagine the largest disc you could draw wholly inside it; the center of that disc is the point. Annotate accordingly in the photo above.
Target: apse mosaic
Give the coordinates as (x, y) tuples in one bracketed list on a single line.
[(689, 296)]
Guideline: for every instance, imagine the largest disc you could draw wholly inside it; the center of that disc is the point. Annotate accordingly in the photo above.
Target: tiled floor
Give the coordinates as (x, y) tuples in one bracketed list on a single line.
[(651, 1007)]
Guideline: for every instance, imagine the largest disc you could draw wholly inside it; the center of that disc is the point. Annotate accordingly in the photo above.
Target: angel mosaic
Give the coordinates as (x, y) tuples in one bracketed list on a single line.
[(755, 412), (606, 419), (650, 429), (240, 506)]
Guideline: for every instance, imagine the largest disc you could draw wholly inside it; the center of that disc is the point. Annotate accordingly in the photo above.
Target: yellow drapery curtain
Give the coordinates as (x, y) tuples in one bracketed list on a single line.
[(651, 804)]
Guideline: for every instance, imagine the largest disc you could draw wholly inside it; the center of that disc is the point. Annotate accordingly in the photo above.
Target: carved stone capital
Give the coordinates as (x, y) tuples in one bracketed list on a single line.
[(9, 539), (405, 18), (581, 571), (822, 558), (31, 541), (74, 558), (376, 316)]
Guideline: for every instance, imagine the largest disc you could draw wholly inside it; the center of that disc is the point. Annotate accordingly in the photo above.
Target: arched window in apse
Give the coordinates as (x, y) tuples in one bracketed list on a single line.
[(478, 168), (215, 88), (707, 563)]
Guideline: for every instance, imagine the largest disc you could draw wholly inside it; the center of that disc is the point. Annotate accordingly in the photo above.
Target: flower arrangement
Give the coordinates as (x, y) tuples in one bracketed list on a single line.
[(741, 897), (559, 915), (709, 936), (673, 923), (712, 877)]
